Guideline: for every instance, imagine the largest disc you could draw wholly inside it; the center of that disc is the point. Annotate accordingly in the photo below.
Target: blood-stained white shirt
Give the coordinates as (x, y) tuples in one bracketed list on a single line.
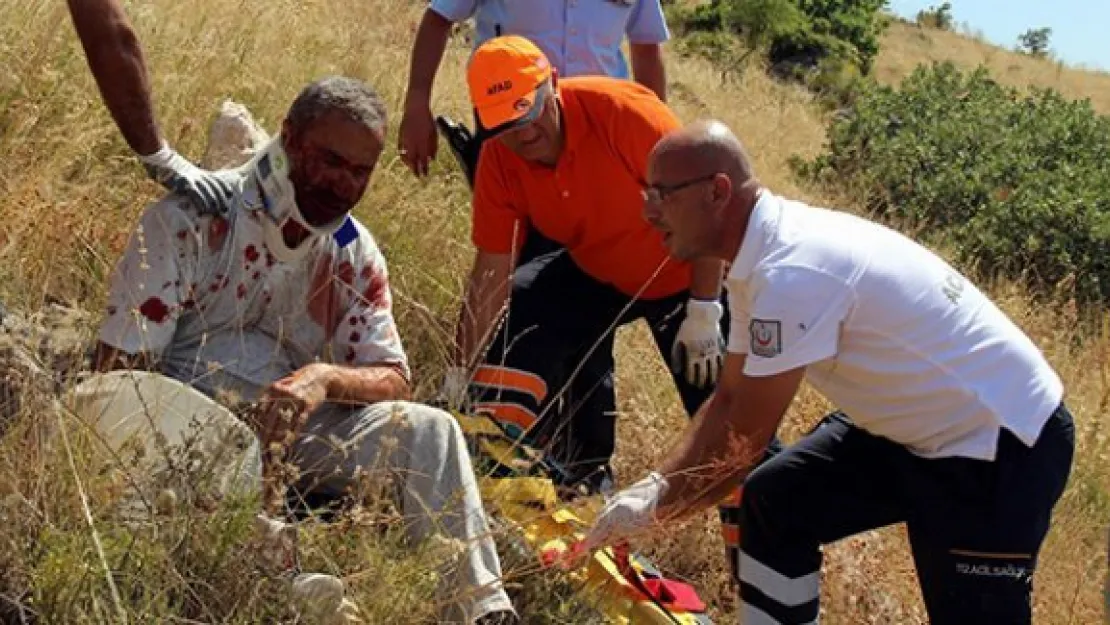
[(889, 332), (203, 294)]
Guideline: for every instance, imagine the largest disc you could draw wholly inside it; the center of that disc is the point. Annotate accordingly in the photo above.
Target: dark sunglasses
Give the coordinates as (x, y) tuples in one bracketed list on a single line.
[(657, 193)]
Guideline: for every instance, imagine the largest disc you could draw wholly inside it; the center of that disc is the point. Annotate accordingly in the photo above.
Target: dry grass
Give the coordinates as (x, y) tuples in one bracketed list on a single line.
[(70, 191), (905, 45)]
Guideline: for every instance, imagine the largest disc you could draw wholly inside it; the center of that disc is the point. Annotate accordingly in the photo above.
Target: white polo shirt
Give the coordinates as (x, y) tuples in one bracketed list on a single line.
[(889, 332)]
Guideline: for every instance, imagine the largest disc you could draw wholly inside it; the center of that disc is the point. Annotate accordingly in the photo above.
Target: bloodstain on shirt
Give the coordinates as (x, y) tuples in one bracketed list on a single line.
[(217, 232), (377, 291), (251, 253), (346, 273), (155, 309), (324, 298)]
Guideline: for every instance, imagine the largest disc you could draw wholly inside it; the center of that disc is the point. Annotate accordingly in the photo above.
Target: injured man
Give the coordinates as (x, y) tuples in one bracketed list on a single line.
[(284, 301)]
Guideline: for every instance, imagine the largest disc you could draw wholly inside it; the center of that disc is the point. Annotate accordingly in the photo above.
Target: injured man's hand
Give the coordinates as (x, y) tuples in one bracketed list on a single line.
[(287, 402), (277, 420)]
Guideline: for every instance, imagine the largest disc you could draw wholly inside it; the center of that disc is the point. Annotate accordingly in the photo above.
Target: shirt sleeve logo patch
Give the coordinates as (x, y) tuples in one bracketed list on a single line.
[(766, 337)]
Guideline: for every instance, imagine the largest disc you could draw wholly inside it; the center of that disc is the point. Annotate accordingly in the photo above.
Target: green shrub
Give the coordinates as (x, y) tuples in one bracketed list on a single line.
[(1034, 42), (841, 29), (1018, 184), (755, 24), (836, 82), (824, 44), (722, 49), (939, 17)]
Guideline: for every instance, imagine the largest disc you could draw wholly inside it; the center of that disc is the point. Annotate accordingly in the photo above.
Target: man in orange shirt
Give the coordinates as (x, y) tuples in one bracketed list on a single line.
[(569, 158)]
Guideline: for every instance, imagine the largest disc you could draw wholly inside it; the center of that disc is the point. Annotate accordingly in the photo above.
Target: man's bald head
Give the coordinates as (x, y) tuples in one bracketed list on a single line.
[(703, 147), (700, 190)]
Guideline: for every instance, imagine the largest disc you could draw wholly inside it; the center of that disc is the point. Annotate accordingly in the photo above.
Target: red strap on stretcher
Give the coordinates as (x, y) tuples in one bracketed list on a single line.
[(668, 592), (674, 594)]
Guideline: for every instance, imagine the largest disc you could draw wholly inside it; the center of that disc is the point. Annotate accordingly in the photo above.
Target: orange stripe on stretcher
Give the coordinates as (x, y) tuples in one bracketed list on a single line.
[(511, 379), (508, 413), (732, 500), (731, 534)]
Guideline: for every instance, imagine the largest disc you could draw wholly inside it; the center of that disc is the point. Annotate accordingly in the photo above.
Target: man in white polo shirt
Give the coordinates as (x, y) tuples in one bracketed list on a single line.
[(950, 418)]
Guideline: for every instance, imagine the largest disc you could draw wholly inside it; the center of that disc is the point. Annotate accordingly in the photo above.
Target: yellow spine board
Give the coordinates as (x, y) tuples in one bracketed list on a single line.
[(532, 505), (548, 525)]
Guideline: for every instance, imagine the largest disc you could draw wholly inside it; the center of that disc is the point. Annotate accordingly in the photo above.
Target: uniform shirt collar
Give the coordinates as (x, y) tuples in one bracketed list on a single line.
[(764, 216)]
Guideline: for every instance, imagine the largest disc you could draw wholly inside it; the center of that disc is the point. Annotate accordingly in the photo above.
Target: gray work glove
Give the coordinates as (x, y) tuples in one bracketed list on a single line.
[(211, 191)]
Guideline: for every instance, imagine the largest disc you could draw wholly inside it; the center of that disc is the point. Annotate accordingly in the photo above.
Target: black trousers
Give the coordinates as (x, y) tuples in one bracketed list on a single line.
[(560, 328), (550, 369), (975, 527)]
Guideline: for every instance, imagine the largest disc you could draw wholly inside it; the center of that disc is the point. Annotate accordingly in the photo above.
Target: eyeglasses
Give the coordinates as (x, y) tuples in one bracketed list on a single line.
[(657, 193)]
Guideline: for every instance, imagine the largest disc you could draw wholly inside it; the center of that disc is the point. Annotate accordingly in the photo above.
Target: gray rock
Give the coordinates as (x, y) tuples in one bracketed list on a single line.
[(41, 353)]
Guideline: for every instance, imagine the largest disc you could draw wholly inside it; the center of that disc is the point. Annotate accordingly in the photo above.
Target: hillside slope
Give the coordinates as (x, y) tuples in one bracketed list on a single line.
[(905, 45), (71, 192)]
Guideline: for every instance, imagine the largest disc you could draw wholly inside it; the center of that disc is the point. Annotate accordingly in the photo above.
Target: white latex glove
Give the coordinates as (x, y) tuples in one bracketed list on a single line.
[(698, 351), (212, 191), (627, 512), (452, 392), (275, 545), (319, 598)]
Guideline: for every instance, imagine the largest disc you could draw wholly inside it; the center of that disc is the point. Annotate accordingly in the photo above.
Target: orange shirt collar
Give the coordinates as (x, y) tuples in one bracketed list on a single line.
[(574, 123)]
